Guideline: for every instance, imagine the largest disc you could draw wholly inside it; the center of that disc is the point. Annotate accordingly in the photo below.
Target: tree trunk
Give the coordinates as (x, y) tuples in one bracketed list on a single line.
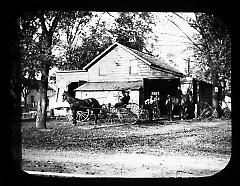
[(215, 92), (45, 66), (42, 103)]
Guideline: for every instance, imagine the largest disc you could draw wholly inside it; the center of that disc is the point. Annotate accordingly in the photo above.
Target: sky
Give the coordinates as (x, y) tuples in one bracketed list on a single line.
[(171, 40)]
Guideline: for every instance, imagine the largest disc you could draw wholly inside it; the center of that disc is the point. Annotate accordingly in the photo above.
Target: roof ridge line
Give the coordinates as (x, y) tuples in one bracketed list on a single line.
[(132, 52), (98, 56)]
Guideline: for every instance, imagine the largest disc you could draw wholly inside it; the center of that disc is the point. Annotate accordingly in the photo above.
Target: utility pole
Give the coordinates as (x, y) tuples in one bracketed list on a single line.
[(188, 67)]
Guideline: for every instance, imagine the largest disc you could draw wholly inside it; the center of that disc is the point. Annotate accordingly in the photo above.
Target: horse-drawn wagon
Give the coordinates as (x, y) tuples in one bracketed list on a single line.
[(82, 110)]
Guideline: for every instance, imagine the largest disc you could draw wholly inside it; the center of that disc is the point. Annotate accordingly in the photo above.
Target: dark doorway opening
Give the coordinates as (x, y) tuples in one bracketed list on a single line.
[(160, 87), (73, 85)]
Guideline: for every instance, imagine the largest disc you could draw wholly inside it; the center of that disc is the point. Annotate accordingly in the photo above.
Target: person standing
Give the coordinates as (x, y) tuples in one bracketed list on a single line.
[(169, 107), (148, 105), (179, 96)]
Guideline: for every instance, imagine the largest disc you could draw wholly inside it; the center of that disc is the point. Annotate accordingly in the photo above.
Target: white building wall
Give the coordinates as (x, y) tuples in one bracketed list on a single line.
[(35, 93), (64, 78), (105, 97), (118, 65)]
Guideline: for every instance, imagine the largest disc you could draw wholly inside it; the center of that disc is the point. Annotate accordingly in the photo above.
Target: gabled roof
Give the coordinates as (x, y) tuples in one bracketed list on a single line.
[(146, 58)]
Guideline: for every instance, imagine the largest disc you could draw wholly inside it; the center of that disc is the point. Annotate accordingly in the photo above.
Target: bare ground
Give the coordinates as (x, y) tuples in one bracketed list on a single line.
[(159, 149)]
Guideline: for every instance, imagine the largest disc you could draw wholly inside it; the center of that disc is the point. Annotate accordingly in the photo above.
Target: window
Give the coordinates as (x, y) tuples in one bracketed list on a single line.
[(155, 93), (101, 71), (133, 67)]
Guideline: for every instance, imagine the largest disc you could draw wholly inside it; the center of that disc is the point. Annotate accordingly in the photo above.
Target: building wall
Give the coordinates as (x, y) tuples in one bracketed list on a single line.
[(64, 78), (32, 102), (105, 97), (154, 73), (118, 65)]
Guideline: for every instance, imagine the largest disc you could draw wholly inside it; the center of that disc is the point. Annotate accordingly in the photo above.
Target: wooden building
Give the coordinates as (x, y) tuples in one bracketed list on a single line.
[(118, 68), (32, 98)]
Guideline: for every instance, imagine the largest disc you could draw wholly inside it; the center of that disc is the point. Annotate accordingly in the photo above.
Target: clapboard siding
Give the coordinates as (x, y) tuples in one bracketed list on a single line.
[(65, 77), (153, 73), (106, 97), (117, 63), (115, 66)]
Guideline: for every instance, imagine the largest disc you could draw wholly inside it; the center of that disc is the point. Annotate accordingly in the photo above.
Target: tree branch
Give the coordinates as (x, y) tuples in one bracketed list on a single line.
[(42, 21), (191, 25), (55, 22), (196, 45)]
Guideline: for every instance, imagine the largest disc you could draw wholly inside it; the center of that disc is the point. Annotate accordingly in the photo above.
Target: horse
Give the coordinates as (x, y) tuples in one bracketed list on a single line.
[(188, 107), (82, 105), (184, 106), (175, 103)]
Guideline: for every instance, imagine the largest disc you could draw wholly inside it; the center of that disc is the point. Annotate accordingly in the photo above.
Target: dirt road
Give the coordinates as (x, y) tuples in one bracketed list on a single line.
[(178, 149)]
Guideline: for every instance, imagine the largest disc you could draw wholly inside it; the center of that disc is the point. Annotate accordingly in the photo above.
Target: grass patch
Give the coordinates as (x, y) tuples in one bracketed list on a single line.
[(63, 135)]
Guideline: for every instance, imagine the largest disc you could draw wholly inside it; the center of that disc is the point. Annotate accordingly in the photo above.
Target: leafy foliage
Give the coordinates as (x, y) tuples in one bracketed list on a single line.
[(41, 31), (213, 49), (131, 28), (78, 56)]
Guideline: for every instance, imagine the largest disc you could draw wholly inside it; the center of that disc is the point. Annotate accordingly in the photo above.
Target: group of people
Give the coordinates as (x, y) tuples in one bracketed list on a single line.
[(184, 103)]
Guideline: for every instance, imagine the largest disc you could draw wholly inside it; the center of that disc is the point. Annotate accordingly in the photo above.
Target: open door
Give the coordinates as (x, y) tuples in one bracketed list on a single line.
[(160, 87)]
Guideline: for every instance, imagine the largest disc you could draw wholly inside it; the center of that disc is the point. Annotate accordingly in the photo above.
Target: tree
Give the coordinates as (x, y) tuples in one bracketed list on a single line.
[(73, 27), (41, 31), (49, 22), (212, 50), (90, 45), (128, 29), (36, 39), (27, 31), (131, 27), (38, 34)]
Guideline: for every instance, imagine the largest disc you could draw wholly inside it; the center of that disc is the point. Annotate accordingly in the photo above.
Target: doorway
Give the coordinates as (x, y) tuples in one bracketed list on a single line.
[(73, 85), (160, 87)]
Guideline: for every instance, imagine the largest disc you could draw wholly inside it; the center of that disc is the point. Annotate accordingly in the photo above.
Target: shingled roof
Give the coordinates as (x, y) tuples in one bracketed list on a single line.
[(149, 59), (112, 85), (155, 62)]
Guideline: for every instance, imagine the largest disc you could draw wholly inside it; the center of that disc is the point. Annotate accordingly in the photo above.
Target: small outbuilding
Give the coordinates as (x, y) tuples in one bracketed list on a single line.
[(117, 68), (122, 68)]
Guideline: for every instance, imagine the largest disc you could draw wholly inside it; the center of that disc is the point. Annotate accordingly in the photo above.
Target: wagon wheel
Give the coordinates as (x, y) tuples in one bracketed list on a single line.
[(133, 107), (204, 111), (129, 114), (207, 113), (202, 108), (106, 114), (156, 113), (83, 115), (226, 113), (143, 115)]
